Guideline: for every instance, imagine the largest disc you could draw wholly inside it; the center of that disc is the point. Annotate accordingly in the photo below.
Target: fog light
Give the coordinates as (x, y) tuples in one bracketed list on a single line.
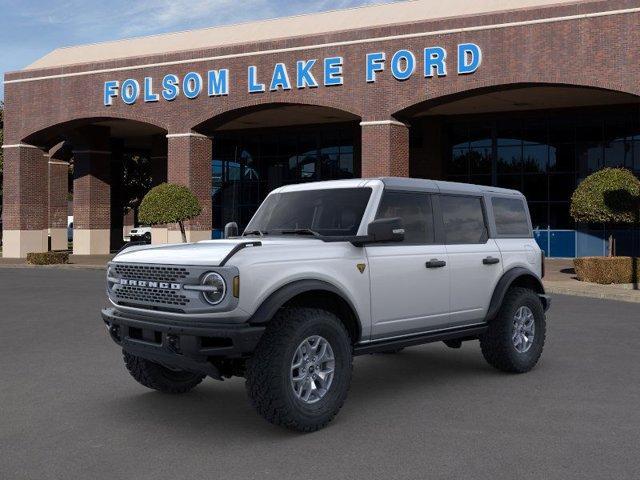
[(215, 288)]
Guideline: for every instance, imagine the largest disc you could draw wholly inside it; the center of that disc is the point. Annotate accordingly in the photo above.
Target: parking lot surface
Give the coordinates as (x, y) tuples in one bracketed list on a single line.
[(69, 410)]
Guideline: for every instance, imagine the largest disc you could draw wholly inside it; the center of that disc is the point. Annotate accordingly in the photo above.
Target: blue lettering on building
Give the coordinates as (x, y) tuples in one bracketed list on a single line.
[(402, 66), (304, 74), (218, 82), (280, 78)]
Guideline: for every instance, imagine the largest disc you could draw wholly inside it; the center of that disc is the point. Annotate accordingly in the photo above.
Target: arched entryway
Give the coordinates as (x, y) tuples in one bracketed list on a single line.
[(110, 162), (257, 149), (539, 139)]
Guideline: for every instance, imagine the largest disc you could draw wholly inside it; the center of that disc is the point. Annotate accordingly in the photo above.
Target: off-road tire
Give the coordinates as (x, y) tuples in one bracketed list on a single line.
[(155, 376), (268, 380), (497, 345)]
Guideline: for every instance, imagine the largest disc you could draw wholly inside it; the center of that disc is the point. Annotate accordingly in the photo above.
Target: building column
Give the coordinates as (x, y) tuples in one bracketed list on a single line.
[(159, 233), (158, 160), (92, 193), (25, 200), (58, 191), (385, 149), (189, 164)]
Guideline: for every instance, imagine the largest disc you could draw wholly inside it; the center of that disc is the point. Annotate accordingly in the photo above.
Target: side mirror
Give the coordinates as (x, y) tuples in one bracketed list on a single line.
[(385, 230), (231, 230)]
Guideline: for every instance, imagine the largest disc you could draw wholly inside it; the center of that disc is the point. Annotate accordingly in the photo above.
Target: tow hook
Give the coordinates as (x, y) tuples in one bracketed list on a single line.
[(114, 331)]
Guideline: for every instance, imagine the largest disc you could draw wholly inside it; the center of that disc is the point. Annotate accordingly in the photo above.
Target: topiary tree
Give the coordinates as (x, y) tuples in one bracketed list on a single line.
[(169, 203), (608, 196)]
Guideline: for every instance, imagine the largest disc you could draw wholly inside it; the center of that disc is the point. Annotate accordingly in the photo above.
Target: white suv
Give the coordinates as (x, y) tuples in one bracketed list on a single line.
[(325, 271)]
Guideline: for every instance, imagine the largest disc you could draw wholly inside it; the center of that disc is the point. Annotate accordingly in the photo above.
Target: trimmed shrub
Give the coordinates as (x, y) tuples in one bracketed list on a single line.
[(609, 195), (169, 203), (607, 270), (48, 258)]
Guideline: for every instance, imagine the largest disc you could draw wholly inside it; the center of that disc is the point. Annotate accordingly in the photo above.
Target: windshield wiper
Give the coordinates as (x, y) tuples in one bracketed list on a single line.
[(299, 231), (255, 232)]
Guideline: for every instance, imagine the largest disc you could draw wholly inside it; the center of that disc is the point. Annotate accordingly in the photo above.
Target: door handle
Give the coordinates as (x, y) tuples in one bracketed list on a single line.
[(490, 260), (435, 263)]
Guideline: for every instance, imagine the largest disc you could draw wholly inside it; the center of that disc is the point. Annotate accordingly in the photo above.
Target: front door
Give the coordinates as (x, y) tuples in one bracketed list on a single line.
[(409, 280)]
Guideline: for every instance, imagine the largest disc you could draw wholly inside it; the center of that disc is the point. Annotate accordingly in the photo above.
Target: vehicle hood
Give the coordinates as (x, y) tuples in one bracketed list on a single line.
[(208, 252)]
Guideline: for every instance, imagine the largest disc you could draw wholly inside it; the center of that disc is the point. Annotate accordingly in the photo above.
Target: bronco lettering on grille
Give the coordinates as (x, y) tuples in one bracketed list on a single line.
[(148, 284)]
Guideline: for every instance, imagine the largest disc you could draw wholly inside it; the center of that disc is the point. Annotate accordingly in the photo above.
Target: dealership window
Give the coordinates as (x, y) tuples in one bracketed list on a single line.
[(248, 164), (543, 154)]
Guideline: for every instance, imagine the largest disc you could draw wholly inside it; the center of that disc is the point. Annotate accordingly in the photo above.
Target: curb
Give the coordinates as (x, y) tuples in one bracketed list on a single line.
[(617, 296), (69, 266)]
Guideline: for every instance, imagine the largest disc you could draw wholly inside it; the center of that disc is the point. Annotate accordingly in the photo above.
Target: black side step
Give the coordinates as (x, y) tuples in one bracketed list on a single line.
[(420, 338)]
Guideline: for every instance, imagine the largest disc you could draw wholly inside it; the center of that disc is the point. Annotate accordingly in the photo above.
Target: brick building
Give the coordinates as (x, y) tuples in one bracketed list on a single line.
[(534, 97)]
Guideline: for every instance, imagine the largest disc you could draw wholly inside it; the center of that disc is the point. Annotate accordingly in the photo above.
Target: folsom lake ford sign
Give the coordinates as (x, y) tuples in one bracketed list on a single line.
[(310, 73)]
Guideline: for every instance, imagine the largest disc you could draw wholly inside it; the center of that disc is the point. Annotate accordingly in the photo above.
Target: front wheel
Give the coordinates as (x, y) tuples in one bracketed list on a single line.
[(515, 338), (300, 372)]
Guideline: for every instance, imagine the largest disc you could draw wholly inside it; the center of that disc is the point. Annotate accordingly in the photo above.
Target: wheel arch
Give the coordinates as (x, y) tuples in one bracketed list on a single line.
[(314, 293), (515, 277)]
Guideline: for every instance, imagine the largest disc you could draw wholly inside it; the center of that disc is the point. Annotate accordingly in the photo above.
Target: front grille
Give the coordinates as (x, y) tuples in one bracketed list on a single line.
[(155, 297), (151, 273), (133, 294)]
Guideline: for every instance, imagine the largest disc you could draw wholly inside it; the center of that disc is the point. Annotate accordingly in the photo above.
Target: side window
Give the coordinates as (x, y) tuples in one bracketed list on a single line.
[(511, 217), (415, 211), (463, 219)]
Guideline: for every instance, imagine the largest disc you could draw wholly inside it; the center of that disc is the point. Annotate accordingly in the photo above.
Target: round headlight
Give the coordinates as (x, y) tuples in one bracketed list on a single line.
[(215, 288)]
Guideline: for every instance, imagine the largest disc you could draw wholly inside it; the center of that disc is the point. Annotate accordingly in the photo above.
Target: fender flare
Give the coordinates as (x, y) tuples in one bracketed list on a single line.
[(505, 282), (282, 295)]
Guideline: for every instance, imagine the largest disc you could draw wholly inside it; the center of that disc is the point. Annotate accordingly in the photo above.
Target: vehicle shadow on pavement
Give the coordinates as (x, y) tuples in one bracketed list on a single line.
[(218, 409)]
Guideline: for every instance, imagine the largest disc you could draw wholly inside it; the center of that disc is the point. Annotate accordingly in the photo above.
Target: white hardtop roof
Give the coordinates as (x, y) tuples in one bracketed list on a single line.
[(401, 183), (279, 28)]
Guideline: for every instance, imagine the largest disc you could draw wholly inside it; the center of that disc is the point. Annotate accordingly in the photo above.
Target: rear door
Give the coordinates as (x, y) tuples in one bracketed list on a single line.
[(409, 280), (474, 258)]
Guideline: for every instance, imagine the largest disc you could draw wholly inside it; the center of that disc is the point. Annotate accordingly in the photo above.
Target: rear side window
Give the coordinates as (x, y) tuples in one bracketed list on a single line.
[(463, 219), (511, 217), (415, 211)]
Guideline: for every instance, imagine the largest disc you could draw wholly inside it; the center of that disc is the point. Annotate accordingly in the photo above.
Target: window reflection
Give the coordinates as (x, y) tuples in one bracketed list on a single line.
[(248, 164), (544, 155)]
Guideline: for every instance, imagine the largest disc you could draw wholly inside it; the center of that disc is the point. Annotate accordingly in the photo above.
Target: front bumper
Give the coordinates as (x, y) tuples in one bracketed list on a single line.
[(189, 348)]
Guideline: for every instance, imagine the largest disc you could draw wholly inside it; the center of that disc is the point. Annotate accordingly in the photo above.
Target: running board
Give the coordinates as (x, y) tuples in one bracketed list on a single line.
[(469, 332)]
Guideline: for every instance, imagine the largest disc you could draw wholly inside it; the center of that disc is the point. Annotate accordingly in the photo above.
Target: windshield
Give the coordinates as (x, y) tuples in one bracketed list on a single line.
[(330, 212)]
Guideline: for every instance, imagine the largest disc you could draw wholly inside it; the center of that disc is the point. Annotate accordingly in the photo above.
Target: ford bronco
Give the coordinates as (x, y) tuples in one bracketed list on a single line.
[(325, 271)]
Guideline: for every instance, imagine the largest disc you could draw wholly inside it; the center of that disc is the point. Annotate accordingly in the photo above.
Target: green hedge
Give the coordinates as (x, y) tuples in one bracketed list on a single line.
[(48, 258), (609, 195), (607, 270)]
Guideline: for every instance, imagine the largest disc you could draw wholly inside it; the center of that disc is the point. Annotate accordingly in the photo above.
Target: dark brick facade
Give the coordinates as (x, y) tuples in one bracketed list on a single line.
[(25, 189), (189, 160), (385, 149), (58, 188), (595, 47)]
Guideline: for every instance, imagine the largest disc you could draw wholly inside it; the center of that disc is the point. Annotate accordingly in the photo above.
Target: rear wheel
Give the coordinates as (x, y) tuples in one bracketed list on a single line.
[(300, 372), (515, 338), (158, 377)]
